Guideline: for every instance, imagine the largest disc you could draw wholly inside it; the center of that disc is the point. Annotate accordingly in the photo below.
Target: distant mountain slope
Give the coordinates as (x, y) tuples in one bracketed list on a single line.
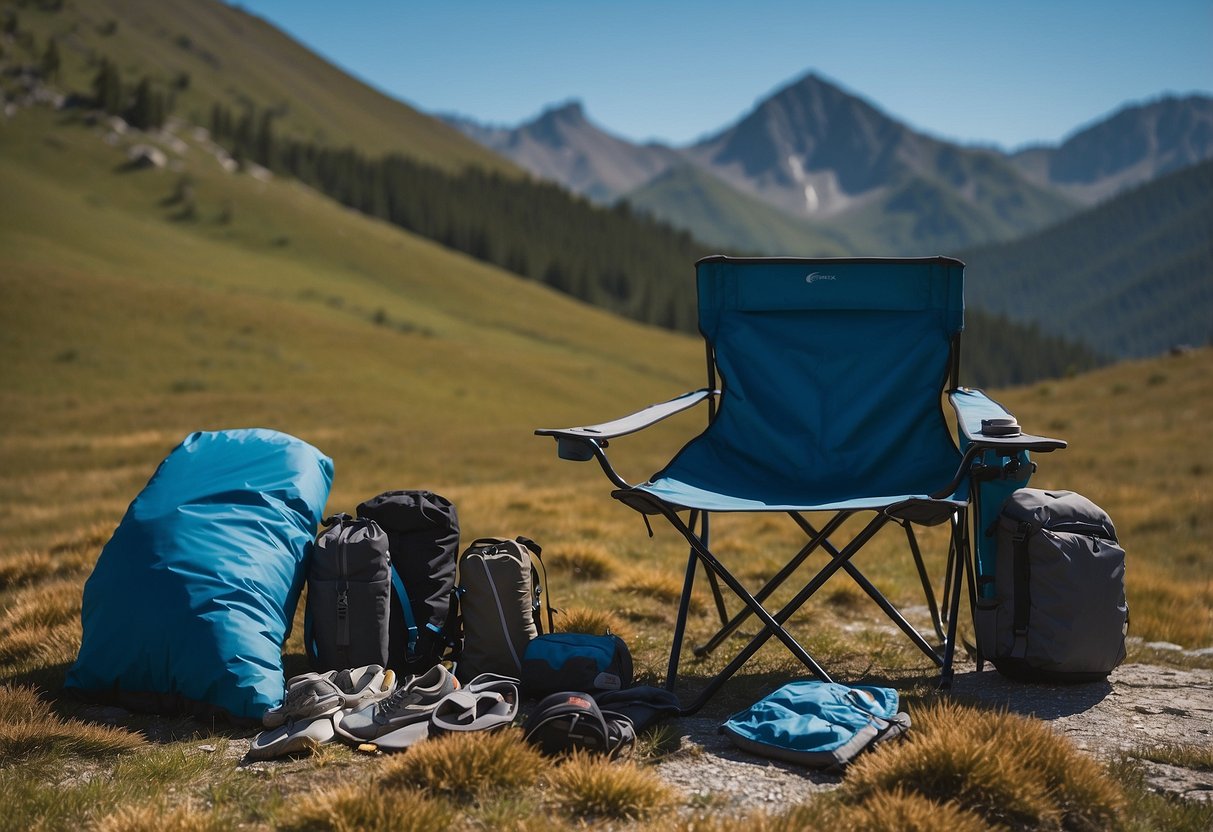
[(562, 145), (694, 199), (1133, 146), (208, 52), (1132, 277), (819, 152)]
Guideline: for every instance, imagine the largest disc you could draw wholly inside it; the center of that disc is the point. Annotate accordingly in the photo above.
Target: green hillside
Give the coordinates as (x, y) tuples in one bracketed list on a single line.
[(273, 306), (691, 198), (1133, 277), (206, 52)]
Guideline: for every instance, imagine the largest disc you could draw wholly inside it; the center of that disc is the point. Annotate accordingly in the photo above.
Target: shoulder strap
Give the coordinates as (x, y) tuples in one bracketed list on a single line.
[(1021, 570), (406, 609), (539, 579)]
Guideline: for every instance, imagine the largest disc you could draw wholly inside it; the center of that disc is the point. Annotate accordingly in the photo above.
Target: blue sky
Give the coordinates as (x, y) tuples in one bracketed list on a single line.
[(1007, 73)]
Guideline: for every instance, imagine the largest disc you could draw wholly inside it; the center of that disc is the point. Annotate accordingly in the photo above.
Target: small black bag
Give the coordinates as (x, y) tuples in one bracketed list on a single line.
[(571, 721), (348, 586)]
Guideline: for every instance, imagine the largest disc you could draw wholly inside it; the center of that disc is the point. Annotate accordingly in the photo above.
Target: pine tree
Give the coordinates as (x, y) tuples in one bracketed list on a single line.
[(50, 61), (107, 88)]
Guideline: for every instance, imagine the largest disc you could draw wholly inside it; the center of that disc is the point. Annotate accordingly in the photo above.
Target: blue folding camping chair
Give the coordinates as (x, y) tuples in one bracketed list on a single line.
[(826, 382)]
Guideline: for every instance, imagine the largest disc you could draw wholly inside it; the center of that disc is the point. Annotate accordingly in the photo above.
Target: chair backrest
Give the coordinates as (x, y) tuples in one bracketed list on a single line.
[(832, 372)]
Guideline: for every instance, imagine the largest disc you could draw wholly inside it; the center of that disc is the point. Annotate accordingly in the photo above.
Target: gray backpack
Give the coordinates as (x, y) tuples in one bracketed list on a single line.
[(500, 595), (1059, 612)]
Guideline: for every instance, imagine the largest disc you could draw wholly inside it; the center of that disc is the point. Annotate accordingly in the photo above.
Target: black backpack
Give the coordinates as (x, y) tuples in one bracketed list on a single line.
[(1059, 612), (345, 623), (422, 531)]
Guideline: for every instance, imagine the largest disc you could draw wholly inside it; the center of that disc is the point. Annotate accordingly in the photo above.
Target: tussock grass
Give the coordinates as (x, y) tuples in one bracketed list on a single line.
[(593, 787), (1150, 811), (157, 817), (1002, 767), (466, 765), (583, 560), (1163, 608), (905, 813), (592, 621), (41, 626), (369, 808), (662, 587), (65, 556), (28, 726), (1184, 755)]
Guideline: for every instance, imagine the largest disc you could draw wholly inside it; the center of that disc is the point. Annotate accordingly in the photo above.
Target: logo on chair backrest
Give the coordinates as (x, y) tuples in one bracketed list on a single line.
[(816, 276)]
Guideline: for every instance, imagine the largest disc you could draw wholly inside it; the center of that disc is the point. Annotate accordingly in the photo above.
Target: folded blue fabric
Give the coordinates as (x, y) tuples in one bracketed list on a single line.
[(820, 724)]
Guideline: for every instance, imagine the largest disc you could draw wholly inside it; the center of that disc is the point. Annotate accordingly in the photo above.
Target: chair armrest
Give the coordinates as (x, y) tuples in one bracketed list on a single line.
[(579, 443), (987, 424)]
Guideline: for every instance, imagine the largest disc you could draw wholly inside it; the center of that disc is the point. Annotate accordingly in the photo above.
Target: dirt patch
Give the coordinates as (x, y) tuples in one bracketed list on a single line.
[(1139, 706)]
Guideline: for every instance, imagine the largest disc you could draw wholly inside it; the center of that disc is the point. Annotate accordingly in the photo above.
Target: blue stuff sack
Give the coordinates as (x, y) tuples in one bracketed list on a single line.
[(575, 662), (817, 724), (192, 598)]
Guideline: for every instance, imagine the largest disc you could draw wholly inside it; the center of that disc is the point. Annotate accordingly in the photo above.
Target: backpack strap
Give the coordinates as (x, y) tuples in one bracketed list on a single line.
[(539, 580), (406, 609), (1020, 567)]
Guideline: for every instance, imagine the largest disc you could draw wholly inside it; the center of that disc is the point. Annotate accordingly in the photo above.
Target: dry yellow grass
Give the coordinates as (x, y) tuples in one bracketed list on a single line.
[(28, 726), (1002, 767), (466, 765), (366, 808), (593, 787)]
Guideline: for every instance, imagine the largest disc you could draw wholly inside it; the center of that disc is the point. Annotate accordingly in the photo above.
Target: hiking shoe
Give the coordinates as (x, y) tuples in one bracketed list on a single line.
[(311, 695), (413, 701)]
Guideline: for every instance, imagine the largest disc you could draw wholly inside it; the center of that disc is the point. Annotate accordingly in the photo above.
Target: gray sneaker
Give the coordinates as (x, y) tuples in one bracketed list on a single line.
[(413, 701), (310, 695)]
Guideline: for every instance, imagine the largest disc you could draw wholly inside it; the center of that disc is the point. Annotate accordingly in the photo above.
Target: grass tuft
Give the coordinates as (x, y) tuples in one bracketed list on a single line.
[(594, 622), (1182, 755), (1007, 769), (467, 765), (593, 787), (905, 812), (660, 586), (354, 808), (28, 727), (590, 561), (157, 817)]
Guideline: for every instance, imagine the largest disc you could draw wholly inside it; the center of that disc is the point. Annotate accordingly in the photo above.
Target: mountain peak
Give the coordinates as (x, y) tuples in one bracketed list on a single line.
[(566, 112)]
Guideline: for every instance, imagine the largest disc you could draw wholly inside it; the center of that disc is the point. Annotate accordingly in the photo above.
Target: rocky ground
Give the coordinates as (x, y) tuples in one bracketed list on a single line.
[(1139, 706)]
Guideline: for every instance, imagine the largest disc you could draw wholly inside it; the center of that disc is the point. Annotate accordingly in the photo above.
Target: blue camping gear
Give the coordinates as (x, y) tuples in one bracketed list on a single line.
[(817, 724), (192, 598), (575, 661), (825, 394)]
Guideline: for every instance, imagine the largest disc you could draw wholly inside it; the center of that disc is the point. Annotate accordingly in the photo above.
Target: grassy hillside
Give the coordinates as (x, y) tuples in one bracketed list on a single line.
[(277, 306), (1132, 277), (208, 52), (126, 323)]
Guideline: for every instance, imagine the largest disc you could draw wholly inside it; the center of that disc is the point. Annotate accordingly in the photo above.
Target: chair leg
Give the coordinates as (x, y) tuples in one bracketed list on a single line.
[(925, 579), (893, 613), (816, 540), (717, 596), (771, 626), (960, 542), (680, 624)]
